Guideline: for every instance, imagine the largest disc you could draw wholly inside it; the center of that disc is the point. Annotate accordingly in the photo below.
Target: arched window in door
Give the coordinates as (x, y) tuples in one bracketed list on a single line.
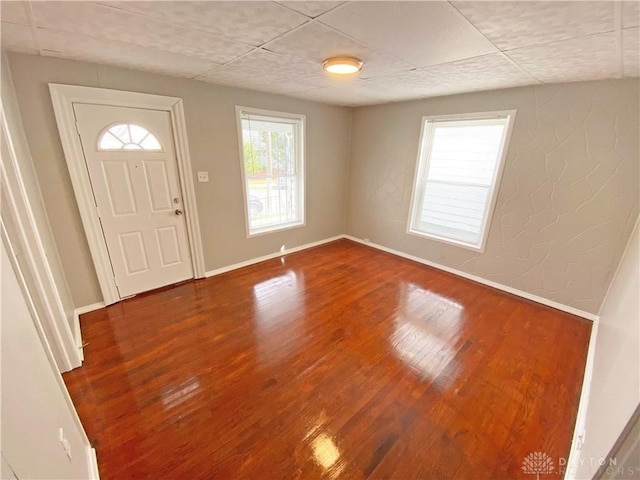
[(128, 136)]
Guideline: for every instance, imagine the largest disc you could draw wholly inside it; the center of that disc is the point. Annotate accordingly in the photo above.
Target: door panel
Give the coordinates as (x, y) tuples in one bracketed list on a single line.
[(168, 245), (134, 252), (131, 162), (159, 191), (119, 188)]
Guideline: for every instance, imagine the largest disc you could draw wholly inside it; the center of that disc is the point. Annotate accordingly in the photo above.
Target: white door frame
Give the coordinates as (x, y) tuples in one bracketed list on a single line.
[(22, 235), (63, 98)]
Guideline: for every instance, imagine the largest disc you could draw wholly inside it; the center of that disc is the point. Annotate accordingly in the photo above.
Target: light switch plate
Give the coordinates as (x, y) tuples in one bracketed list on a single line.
[(203, 177)]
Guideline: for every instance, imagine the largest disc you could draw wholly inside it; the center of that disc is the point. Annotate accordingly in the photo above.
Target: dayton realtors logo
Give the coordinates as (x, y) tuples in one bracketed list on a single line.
[(537, 463)]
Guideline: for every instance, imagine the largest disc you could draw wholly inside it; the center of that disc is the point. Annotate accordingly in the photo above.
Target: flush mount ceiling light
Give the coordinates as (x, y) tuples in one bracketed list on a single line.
[(342, 65)]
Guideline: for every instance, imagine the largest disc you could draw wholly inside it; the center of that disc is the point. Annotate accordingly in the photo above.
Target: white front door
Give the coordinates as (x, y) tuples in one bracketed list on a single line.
[(131, 162)]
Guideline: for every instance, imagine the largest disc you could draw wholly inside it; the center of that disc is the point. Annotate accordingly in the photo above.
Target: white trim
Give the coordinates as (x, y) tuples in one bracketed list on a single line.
[(577, 441), (619, 266), (92, 461), (89, 308), (301, 128), (77, 332), (63, 97), (76, 314), (45, 294), (484, 281), (424, 159), (188, 189), (277, 254)]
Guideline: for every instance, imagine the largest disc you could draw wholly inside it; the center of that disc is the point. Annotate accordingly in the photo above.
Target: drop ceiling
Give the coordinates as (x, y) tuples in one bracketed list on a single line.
[(411, 49)]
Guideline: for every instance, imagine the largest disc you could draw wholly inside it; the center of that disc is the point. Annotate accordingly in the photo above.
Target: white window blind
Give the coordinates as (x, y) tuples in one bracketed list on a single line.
[(458, 171), (271, 148)]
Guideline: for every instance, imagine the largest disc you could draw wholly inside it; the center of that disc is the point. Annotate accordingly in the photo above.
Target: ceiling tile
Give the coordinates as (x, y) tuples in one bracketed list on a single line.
[(317, 42), (268, 71), (18, 38), (512, 25), (311, 8), (101, 22), (80, 47), (483, 73), (264, 63), (14, 12), (260, 84), (193, 39), (631, 52), (586, 58), (250, 22), (630, 14), (354, 95), (421, 33), (413, 84)]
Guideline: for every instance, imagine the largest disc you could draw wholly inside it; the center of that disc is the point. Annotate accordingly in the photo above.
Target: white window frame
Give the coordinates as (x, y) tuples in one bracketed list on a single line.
[(423, 163), (300, 129)]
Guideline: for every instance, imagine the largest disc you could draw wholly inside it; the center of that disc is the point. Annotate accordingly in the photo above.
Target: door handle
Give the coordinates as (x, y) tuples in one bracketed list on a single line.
[(178, 211)]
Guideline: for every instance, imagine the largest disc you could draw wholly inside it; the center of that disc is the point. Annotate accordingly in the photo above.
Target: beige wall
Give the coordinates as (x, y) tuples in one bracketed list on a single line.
[(213, 144), (568, 198), (565, 209)]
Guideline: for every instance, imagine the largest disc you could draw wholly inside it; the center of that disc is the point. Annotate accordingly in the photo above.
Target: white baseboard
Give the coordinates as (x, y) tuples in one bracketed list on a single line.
[(77, 334), (89, 308), (92, 459), (514, 291), (277, 254), (577, 441), (484, 281)]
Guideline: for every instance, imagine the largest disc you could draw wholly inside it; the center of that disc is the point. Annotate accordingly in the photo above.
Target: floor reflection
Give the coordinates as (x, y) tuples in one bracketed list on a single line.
[(343, 363), (279, 304), (326, 453), (426, 328), (172, 397)]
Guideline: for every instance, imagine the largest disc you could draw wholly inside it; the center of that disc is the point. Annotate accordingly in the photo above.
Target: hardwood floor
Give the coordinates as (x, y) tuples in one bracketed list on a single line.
[(336, 362)]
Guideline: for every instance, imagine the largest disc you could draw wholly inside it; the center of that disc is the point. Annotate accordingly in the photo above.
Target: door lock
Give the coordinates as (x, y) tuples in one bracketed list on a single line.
[(178, 211)]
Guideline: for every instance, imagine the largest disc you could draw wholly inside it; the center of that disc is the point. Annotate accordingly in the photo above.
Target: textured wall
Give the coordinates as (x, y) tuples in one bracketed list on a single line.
[(569, 192), (213, 143)]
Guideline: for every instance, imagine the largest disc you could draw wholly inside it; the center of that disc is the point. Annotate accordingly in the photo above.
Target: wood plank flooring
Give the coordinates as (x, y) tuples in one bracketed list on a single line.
[(336, 362)]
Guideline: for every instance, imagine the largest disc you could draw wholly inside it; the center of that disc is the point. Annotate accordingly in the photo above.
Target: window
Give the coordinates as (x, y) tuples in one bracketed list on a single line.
[(272, 154), (457, 176), (128, 136)]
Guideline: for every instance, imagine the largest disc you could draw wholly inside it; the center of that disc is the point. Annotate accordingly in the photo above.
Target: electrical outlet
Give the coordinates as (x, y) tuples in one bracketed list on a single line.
[(65, 443), (203, 177)]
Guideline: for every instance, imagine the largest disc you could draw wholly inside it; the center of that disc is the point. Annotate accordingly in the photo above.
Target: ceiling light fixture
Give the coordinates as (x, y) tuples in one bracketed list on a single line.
[(342, 65)]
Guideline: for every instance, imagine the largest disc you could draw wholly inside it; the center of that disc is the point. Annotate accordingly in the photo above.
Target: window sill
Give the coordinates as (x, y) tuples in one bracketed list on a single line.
[(449, 241), (278, 228)]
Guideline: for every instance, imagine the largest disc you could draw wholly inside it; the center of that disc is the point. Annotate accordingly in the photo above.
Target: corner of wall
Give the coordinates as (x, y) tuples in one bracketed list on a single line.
[(614, 273), (347, 187)]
